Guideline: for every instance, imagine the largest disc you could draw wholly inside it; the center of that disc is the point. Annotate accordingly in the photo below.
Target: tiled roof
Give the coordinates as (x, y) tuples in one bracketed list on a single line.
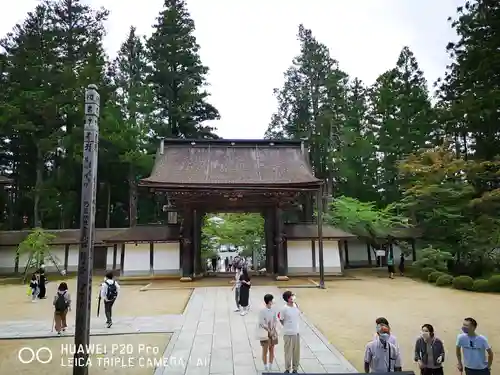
[(231, 163)]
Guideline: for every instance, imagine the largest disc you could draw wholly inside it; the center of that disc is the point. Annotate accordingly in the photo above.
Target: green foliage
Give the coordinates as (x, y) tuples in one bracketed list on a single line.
[(36, 246), (244, 232), (425, 272), (463, 282), (444, 280), (430, 257), (363, 219), (433, 276), (480, 285), (494, 284)]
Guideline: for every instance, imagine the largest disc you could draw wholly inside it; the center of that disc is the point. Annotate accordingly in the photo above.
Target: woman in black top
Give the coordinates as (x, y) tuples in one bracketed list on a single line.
[(244, 291)]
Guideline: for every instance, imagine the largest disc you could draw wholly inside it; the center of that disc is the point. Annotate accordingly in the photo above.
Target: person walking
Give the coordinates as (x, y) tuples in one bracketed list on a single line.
[(390, 265), (236, 287), (245, 285), (380, 355), (289, 317), (42, 282), (402, 264), (429, 352), (34, 286), (474, 354), (267, 332), (62, 304), (109, 293)]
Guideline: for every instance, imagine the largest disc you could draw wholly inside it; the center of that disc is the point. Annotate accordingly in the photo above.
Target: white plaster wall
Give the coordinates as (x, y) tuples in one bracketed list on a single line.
[(8, 259), (331, 256), (358, 255), (299, 254), (300, 257), (167, 258), (136, 259)]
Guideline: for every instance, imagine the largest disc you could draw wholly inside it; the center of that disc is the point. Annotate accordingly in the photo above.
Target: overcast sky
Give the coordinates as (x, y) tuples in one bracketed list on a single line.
[(249, 44)]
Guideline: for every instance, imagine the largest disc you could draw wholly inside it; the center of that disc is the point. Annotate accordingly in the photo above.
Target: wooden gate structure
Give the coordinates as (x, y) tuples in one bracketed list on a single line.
[(273, 177)]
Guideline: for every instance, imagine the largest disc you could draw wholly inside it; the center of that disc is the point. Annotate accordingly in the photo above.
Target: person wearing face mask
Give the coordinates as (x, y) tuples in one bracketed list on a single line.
[(429, 352), (289, 317), (380, 355), (477, 353), (267, 332), (384, 321)]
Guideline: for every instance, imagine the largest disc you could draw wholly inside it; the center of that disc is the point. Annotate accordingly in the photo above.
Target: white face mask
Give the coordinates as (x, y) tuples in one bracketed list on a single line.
[(294, 298), (425, 335)]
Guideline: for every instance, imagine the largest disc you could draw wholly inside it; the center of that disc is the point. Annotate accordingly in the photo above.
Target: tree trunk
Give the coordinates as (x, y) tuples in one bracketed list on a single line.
[(132, 188), (38, 187)]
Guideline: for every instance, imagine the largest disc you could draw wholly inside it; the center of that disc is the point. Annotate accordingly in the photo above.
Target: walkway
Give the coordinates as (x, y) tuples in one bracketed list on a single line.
[(215, 340), (209, 338)]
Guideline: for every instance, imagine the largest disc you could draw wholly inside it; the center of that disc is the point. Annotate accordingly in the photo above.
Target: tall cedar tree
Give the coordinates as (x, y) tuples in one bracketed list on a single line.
[(311, 104), (178, 76), (401, 112), (134, 101), (471, 87)]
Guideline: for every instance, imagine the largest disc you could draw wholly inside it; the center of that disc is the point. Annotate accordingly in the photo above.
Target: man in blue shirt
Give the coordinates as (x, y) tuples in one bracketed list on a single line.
[(477, 353)]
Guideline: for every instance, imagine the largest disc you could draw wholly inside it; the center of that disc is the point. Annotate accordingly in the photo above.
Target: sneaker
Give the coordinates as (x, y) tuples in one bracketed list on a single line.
[(294, 371), (109, 324), (266, 368), (59, 333), (237, 310), (287, 372)]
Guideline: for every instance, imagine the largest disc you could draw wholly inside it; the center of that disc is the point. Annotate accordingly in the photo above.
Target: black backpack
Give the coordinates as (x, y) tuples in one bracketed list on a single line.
[(112, 292), (61, 304)]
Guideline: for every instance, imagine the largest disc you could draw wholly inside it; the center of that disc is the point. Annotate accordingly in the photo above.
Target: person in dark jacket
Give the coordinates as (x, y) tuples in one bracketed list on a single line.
[(429, 352), (42, 281), (402, 265)]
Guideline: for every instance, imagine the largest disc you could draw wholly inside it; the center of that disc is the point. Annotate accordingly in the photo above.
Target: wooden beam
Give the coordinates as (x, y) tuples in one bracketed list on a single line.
[(66, 257), (122, 259), (151, 258), (313, 254), (413, 250), (115, 253), (346, 253), (369, 253)]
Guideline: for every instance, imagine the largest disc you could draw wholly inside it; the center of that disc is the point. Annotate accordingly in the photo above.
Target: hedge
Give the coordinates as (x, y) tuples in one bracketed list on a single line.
[(494, 284), (433, 276), (444, 280), (480, 285), (463, 282), (425, 272)]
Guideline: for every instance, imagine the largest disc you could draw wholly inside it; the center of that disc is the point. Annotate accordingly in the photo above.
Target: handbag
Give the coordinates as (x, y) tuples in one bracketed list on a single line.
[(261, 334)]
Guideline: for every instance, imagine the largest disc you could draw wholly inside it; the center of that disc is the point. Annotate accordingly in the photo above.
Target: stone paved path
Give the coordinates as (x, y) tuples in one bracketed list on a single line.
[(209, 338), (214, 340)]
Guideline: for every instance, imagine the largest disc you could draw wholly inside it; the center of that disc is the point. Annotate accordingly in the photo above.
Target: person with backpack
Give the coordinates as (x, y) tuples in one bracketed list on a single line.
[(109, 293), (62, 304), (34, 286)]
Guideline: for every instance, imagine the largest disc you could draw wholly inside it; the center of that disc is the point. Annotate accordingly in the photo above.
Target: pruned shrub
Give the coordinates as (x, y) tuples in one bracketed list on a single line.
[(463, 282), (480, 285), (444, 280), (433, 258), (425, 272), (433, 276), (494, 284)]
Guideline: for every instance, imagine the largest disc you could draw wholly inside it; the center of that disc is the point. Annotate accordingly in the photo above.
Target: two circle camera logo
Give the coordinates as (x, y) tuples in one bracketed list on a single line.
[(42, 355)]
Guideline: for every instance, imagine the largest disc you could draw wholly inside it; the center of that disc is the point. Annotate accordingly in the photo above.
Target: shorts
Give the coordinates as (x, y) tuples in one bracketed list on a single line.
[(391, 269)]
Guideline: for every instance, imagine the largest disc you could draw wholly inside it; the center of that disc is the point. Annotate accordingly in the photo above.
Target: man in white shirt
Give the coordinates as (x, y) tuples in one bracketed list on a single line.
[(289, 317)]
